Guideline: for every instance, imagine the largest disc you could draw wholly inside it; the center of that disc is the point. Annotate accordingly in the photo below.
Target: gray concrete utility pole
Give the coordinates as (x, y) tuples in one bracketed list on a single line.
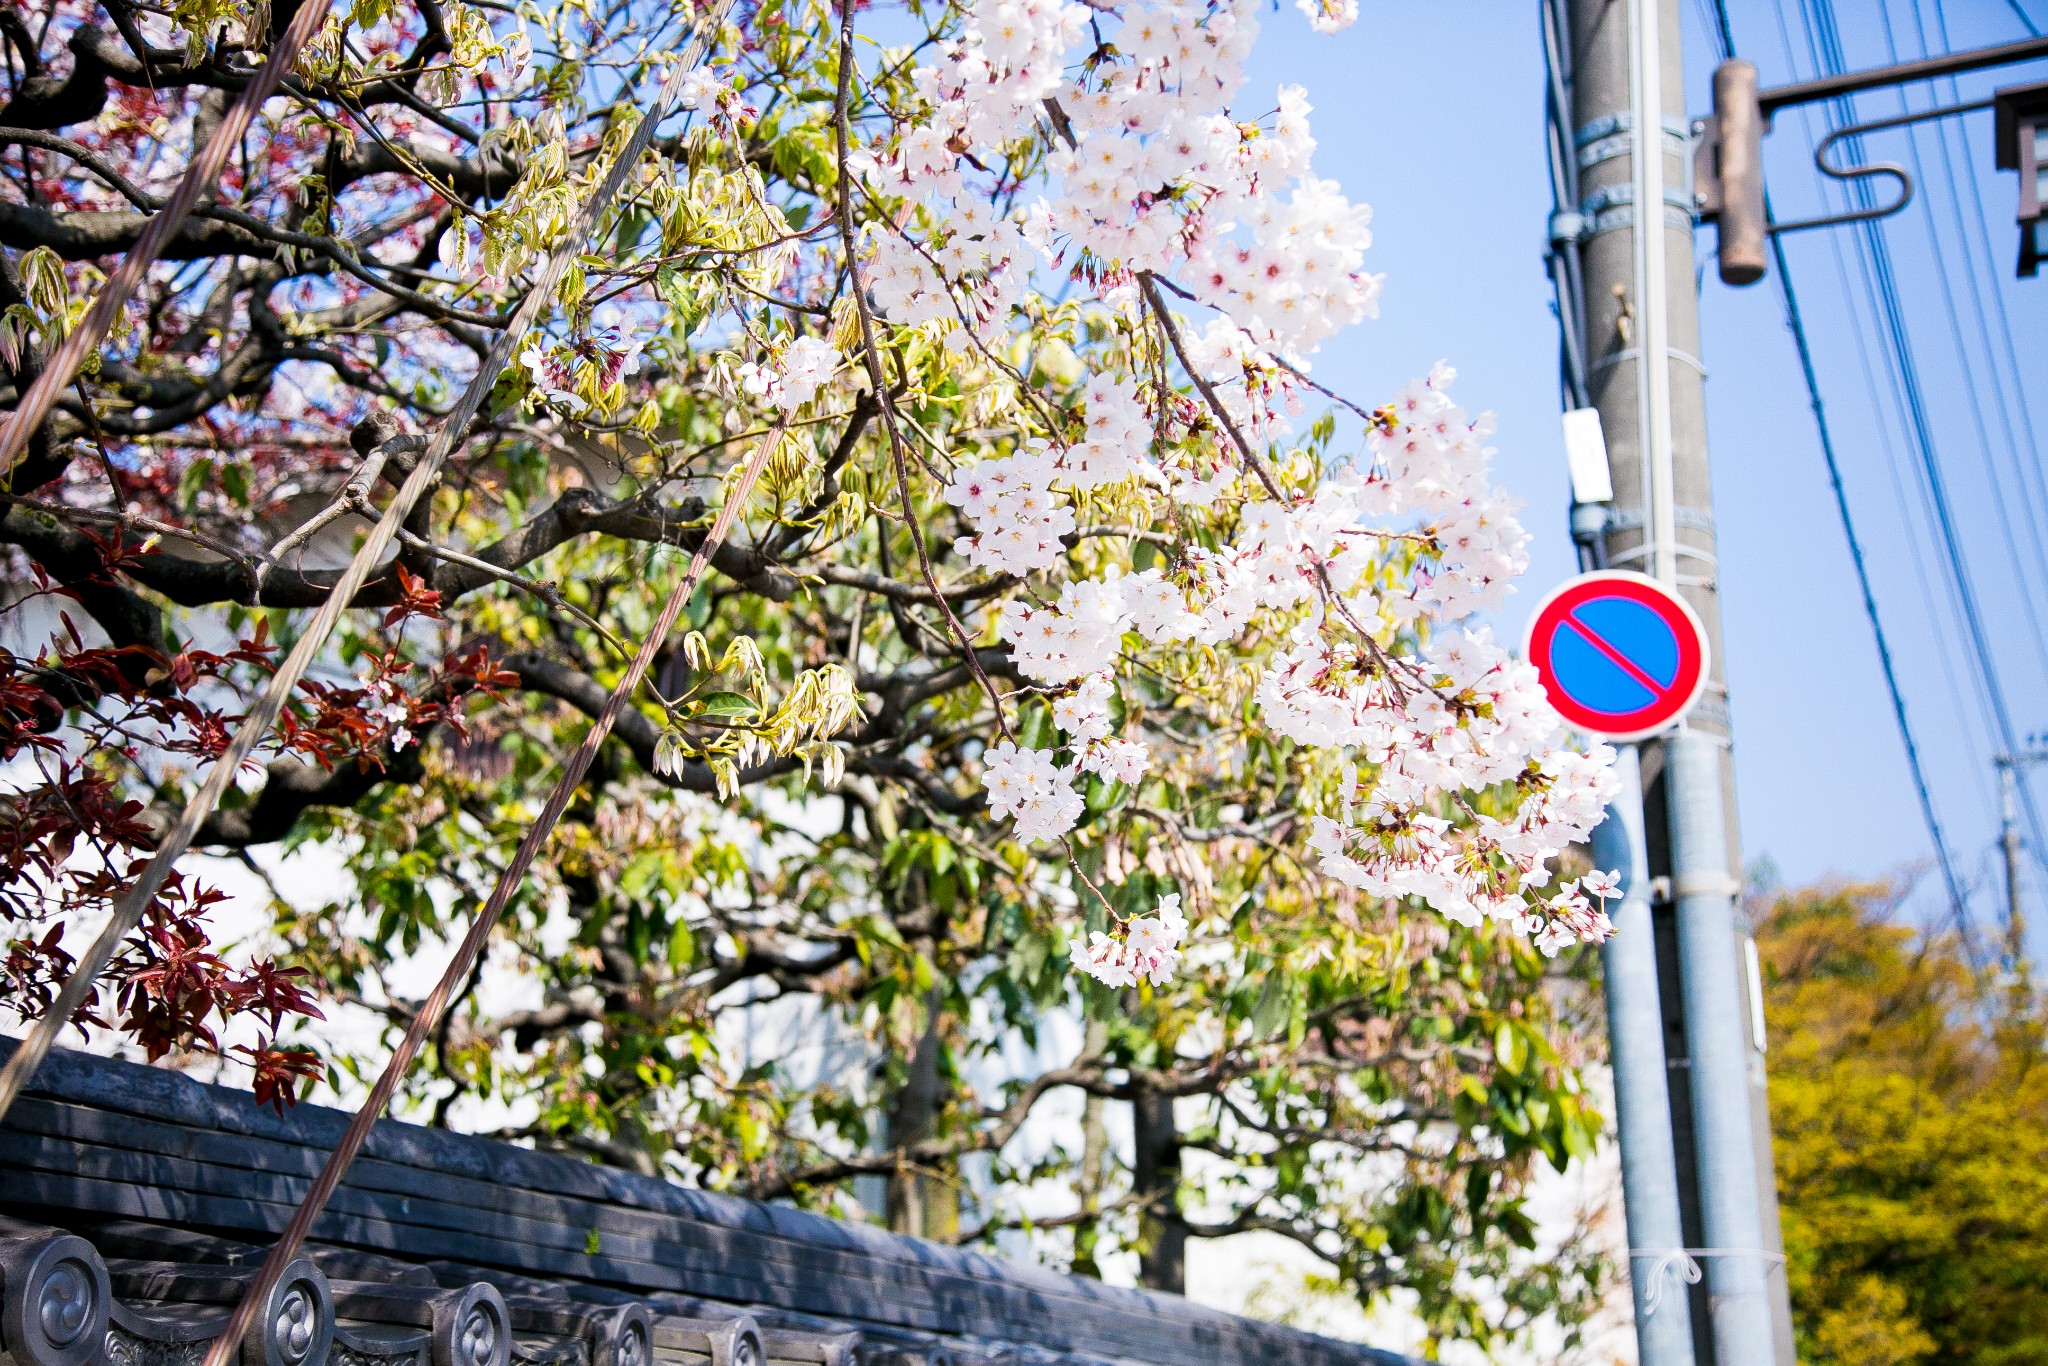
[(1643, 373)]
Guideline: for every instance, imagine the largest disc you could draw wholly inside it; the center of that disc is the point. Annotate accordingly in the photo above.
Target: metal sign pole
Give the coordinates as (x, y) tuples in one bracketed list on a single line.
[(1658, 1263)]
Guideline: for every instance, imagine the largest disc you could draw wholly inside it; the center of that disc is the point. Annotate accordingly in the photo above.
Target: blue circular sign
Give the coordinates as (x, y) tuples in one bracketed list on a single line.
[(1620, 655)]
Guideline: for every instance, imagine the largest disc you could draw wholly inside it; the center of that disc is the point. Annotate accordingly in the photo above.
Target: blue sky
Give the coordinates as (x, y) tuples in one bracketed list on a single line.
[(1433, 113)]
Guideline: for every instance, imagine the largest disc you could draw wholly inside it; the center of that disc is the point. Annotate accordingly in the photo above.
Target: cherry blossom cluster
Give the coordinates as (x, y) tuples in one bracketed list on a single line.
[(1011, 502), (1084, 715), (593, 363), (1019, 502), (1352, 587), (706, 93), (791, 379), (1083, 633), (1029, 786), (968, 270), (1147, 950)]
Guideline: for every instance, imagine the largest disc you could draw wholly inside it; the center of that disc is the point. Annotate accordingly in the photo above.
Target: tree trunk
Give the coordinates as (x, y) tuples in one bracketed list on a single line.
[(1094, 1161), (923, 1204), (1155, 1173)]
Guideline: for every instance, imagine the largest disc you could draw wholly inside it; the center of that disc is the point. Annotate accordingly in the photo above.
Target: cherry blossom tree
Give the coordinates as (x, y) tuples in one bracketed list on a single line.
[(1083, 666)]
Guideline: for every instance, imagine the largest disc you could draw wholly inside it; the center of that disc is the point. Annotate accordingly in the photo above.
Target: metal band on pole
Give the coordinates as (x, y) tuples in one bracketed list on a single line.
[(128, 913)]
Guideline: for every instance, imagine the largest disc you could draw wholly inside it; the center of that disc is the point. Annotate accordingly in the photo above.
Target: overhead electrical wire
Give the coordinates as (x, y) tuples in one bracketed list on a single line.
[(1719, 31), (2022, 440), (1923, 577), (2009, 349), (1967, 366), (1826, 36), (2026, 452), (1722, 33), (1564, 262), (1967, 369), (1944, 858)]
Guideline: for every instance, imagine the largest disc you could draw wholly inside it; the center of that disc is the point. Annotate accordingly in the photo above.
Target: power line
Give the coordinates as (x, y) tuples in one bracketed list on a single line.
[(1973, 400), (1922, 578), (1967, 368), (1796, 323), (2024, 408), (1714, 19), (1793, 320), (1877, 253)]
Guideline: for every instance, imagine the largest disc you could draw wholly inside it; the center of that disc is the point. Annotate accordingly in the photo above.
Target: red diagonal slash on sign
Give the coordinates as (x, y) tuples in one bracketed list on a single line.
[(1558, 610), (1616, 657)]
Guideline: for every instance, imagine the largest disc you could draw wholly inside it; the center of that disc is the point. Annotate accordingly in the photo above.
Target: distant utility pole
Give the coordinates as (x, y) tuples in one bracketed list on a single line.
[(2009, 766), (1628, 249)]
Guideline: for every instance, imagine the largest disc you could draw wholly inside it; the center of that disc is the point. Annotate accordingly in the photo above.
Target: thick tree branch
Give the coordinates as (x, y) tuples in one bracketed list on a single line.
[(291, 787), (1001, 1125)]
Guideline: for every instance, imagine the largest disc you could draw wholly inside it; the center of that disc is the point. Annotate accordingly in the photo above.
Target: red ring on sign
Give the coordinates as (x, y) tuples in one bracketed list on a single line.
[(1672, 700)]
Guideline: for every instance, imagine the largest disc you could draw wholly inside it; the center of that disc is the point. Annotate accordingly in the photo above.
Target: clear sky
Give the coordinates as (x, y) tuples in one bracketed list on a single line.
[(1433, 113)]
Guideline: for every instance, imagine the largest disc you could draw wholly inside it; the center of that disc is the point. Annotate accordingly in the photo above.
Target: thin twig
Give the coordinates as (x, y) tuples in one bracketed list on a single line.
[(548, 593), (351, 499), (873, 357)]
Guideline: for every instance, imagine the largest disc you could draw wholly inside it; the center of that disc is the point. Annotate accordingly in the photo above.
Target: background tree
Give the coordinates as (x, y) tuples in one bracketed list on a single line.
[(1051, 638), (1908, 1099)]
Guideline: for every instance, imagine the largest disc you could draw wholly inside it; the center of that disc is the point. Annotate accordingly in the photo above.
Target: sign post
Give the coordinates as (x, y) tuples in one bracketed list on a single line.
[(1622, 657)]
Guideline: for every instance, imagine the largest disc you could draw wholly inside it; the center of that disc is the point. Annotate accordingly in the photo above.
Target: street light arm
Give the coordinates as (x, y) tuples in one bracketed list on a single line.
[(1948, 64)]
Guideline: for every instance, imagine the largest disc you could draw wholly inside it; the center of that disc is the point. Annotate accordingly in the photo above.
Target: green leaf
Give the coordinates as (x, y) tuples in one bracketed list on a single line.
[(1274, 1009), (682, 947), (196, 476), (727, 704), (508, 392), (1478, 1187), (679, 294), (1576, 1142), (1510, 1048)]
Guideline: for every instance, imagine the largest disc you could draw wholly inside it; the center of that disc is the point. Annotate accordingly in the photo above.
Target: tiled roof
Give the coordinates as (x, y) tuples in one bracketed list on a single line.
[(134, 1203)]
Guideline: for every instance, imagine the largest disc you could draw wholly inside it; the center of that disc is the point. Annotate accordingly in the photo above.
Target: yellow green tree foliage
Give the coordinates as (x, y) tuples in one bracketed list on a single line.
[(1910, 1104)]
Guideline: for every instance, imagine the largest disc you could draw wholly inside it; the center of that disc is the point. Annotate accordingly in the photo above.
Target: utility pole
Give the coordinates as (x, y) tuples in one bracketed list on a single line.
[(2009, 766), (1632, 248), (2009, 816)]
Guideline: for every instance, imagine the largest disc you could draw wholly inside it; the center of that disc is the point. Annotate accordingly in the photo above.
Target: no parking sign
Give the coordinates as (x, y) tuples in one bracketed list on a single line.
[(1621, 656)]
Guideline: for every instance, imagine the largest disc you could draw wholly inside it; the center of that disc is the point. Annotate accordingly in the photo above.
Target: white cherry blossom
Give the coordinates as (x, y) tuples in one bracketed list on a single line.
[(1353, 594)]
